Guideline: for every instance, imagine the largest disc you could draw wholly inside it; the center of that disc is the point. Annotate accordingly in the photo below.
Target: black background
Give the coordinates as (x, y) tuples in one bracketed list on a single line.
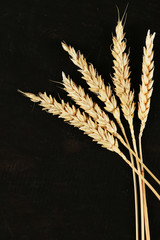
[(55, 183)]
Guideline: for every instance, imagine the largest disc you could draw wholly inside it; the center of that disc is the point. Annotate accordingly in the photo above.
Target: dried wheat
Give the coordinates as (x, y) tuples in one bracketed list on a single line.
[(76, 118), (73, 115), (87, 104), (122, 88), (147, 81), (144, 103), (96, 85), (121, 75), (94, 80), (96, 123), (121, 80)]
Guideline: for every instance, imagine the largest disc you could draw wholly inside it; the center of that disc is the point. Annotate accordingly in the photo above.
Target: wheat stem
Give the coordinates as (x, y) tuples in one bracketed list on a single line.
[(121, 80), (141, 177), (138, 159), (144, 103), (146, 218), (127, 145), (140, 182)]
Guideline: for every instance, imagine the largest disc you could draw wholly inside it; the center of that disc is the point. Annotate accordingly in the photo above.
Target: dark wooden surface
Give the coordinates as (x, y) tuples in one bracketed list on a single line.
[(55, 183)]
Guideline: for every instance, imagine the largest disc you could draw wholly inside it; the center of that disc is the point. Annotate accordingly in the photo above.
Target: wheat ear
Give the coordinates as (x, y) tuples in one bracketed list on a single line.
[(147, 81), (144, 102), (121, 75), (121, 80), (73, 115)]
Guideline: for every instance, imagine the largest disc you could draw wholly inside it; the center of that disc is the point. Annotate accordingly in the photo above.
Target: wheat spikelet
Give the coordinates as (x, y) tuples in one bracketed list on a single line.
[(121, 75), (87, 104), (94, 80), (147, 80)]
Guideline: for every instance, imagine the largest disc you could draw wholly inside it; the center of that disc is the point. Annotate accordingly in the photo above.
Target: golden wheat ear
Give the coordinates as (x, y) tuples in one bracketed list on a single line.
[(121, 75), (146, 87), (74, 116)]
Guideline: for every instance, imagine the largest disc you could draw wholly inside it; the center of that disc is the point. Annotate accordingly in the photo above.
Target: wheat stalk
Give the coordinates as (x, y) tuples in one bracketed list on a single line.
[(144, 102), (73, 115), (121, 80)]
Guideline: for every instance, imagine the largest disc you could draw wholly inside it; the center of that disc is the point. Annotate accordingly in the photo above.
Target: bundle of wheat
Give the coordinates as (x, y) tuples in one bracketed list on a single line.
[(95, 122)]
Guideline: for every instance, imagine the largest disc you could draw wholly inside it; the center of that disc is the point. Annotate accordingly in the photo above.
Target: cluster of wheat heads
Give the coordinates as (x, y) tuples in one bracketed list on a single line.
[(96, 123)]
